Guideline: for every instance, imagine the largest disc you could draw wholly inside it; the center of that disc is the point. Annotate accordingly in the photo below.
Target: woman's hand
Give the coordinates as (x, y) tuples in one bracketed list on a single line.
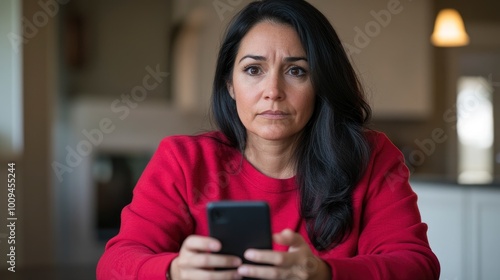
[(298, 263), (195, 260)]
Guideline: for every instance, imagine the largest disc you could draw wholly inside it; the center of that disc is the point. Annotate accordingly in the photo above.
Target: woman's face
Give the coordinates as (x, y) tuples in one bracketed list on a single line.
[(271, 83)]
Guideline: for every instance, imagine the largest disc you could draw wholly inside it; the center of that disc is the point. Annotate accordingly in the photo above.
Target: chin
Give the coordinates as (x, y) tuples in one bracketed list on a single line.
[(275, 135)]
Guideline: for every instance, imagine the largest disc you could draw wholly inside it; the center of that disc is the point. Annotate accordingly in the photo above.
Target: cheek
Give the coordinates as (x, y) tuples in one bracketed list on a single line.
[(245, 97), (307, 104), (243, 106)]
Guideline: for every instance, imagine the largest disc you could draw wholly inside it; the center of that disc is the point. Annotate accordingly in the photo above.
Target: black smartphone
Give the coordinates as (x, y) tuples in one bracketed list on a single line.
[(240, 225)]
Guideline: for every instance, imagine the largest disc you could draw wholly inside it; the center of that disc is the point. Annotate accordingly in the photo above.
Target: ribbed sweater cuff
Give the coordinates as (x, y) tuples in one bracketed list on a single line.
[(156, 268)]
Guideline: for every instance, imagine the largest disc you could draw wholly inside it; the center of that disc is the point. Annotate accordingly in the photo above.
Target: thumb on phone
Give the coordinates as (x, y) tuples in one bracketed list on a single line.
[(288, 237)]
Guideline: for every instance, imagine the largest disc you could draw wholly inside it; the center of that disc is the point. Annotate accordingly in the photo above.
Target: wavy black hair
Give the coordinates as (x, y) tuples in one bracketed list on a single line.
[(334, 152)]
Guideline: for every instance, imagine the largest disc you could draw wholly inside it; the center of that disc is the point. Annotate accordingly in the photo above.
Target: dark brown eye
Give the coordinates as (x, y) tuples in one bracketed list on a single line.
[(252, 70), (297, 71)]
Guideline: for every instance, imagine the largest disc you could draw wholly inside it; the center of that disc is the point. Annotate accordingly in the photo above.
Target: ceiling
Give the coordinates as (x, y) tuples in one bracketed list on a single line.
[(477, 11)]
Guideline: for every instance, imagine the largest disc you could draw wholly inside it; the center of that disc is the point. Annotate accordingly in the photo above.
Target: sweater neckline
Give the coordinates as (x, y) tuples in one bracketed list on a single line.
[(263, 182), (238, 164)]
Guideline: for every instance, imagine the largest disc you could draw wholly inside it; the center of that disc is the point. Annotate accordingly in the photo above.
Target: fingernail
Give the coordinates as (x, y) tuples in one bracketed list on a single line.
[(249, 254), (213, 246), (237, 262), (243, 270)]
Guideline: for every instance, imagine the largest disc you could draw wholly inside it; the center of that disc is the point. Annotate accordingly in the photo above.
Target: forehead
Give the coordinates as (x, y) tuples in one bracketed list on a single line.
[(269, 36)]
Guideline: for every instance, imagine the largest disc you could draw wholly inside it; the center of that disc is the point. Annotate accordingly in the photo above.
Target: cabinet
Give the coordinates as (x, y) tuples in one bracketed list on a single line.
[(464, 228)]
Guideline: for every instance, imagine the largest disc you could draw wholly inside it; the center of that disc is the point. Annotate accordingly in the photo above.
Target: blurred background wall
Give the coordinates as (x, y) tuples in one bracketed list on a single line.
[(89, 88)]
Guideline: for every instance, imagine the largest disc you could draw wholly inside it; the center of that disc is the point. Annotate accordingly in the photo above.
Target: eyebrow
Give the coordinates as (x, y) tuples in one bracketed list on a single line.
[(287, 59)]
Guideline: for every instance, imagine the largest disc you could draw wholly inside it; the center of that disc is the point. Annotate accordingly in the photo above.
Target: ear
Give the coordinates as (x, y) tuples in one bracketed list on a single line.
[(230, 89)]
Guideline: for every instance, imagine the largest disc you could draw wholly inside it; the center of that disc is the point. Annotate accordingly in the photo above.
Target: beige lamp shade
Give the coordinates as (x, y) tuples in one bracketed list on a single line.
[(449, 30)]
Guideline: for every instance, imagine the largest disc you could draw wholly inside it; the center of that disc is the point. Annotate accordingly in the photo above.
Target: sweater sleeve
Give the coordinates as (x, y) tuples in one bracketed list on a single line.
[(152, 225), (392, 240)]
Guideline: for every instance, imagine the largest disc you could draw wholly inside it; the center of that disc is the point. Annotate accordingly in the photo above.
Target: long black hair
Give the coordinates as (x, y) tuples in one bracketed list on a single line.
[(334, 152)]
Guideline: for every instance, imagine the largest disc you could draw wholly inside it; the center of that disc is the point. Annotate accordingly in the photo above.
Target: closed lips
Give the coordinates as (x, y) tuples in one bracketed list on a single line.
[(274, 114)]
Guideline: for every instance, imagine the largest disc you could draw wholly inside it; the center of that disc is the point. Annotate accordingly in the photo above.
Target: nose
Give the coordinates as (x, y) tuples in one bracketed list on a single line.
[(274, 88)]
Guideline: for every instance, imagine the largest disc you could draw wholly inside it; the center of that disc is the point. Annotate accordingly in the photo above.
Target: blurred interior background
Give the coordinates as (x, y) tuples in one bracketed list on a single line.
[(89, 88)]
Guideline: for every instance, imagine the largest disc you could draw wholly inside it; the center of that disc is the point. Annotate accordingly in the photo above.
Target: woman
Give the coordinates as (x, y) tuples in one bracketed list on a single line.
[(291, 118)]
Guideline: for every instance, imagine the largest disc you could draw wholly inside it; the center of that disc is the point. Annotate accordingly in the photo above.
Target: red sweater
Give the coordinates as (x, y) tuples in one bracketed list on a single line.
[(387, 241)]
